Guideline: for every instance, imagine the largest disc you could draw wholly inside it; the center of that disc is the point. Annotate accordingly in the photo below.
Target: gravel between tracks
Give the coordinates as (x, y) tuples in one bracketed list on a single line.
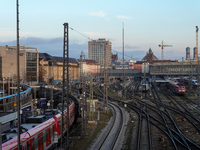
[(120, 141)]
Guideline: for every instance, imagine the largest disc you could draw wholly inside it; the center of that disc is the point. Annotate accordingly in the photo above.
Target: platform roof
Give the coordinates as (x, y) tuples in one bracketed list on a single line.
[(158, 80)]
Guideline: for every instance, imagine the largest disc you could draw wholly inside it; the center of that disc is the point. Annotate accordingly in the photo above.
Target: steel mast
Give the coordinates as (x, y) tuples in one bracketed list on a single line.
[(18, 92), (65, 88)]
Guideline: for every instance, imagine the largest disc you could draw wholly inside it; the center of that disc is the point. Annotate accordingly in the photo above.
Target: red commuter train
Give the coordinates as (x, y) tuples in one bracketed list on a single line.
[(41, 137), (176, 87)]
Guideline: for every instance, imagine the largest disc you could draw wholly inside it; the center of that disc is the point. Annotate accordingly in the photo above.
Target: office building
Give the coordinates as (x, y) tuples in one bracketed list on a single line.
[(97, 49), (28, 63)]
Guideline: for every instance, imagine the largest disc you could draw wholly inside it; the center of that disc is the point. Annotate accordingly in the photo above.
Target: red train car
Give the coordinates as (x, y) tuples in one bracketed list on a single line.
[(41, 137), (176, 87)]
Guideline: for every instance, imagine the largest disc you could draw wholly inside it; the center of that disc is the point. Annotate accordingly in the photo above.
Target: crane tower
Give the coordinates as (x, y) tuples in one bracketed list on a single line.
[(162, 47)]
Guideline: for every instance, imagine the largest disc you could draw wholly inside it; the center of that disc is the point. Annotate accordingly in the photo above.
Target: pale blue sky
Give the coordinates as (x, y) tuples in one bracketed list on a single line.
[(146, 24)]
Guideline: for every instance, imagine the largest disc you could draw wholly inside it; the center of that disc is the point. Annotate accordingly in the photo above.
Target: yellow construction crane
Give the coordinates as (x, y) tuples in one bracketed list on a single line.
[(162, 46)]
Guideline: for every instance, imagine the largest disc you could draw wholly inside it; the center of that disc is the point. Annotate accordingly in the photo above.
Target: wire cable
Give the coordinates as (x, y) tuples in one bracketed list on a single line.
[(80, 33)]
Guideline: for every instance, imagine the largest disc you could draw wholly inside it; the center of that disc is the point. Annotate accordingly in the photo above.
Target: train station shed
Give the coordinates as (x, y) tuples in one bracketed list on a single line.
[(159, 80)]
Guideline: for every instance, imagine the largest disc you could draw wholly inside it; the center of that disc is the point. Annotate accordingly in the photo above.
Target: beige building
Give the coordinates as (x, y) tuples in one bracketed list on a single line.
[(28, 63), (96, 50), (52, 66), (92, 67)]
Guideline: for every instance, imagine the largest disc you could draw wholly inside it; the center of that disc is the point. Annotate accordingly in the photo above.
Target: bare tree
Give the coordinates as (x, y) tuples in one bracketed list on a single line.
[(42, 74)]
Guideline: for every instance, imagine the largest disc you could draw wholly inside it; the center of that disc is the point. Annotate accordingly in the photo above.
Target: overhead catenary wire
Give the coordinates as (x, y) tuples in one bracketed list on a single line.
[(80, 33), (91, 39)]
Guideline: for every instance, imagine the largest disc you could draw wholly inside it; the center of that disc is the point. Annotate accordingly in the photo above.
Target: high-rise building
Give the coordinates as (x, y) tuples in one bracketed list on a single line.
[(96, 50)]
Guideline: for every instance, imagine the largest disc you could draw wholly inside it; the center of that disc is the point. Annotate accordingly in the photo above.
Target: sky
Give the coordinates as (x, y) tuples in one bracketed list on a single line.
[(146, 24)]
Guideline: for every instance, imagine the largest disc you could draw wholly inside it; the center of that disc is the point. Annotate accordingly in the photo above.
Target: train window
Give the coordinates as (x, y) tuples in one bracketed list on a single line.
[(28, 146), (38, 141), (46, 135), (49, 133), (36, 146), (41, 142), (33, 144)]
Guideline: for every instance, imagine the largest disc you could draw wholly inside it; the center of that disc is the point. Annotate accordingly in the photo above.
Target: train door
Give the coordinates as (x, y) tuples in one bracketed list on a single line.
[(30, 145), (53, 130), (40, 141)]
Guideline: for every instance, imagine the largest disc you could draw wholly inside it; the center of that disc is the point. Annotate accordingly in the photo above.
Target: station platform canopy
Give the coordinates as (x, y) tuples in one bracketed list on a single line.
[(159, 80)]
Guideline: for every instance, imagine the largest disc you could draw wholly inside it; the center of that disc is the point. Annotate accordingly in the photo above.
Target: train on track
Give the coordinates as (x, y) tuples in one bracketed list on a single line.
[(41, 136), (176, 87), (144, 86)]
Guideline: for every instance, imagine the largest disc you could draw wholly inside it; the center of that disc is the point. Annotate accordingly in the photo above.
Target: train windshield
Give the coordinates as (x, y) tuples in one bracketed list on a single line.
[(181, 87)]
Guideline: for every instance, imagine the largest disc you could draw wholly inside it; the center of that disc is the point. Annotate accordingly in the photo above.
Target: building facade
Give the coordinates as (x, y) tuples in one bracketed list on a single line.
[(99, 50), (93, 68), (28, 63), (52, 67), (175, 69)]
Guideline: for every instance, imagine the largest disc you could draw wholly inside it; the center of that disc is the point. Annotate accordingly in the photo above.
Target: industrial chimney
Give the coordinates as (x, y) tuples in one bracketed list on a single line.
[(196, 51), (187, 53)]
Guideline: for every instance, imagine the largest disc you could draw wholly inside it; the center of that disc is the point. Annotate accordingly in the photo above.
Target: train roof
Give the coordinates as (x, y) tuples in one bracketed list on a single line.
[(174, 82)]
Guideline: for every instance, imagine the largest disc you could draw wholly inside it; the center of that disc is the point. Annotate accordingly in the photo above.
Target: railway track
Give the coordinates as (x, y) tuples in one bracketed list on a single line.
[(157, 123), (160, 117), (110, 136)]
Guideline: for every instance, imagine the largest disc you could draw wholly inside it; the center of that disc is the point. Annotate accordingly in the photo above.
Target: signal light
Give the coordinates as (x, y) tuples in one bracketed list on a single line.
[(81, 91)]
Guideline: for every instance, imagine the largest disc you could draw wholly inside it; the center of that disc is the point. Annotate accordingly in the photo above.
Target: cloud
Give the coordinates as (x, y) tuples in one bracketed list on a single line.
[(123, 17), (129, 48), (98, 14), (96, 35), (130, 51), (10, 33), (52, 46)]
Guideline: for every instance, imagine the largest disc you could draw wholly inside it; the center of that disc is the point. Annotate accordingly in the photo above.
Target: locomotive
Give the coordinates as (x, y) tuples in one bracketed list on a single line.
[(176, 87)]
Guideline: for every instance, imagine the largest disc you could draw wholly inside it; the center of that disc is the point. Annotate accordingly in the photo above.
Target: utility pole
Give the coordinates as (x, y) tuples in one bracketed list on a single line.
[(105, 98), (190, 77), (133, 88), (91, 100), (65, 88), (123, 59), (83, 104), (18, 90), (198, 82)]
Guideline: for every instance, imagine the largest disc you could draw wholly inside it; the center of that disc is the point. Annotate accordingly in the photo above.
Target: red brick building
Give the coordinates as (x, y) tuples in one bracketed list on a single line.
[(150, 58)]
